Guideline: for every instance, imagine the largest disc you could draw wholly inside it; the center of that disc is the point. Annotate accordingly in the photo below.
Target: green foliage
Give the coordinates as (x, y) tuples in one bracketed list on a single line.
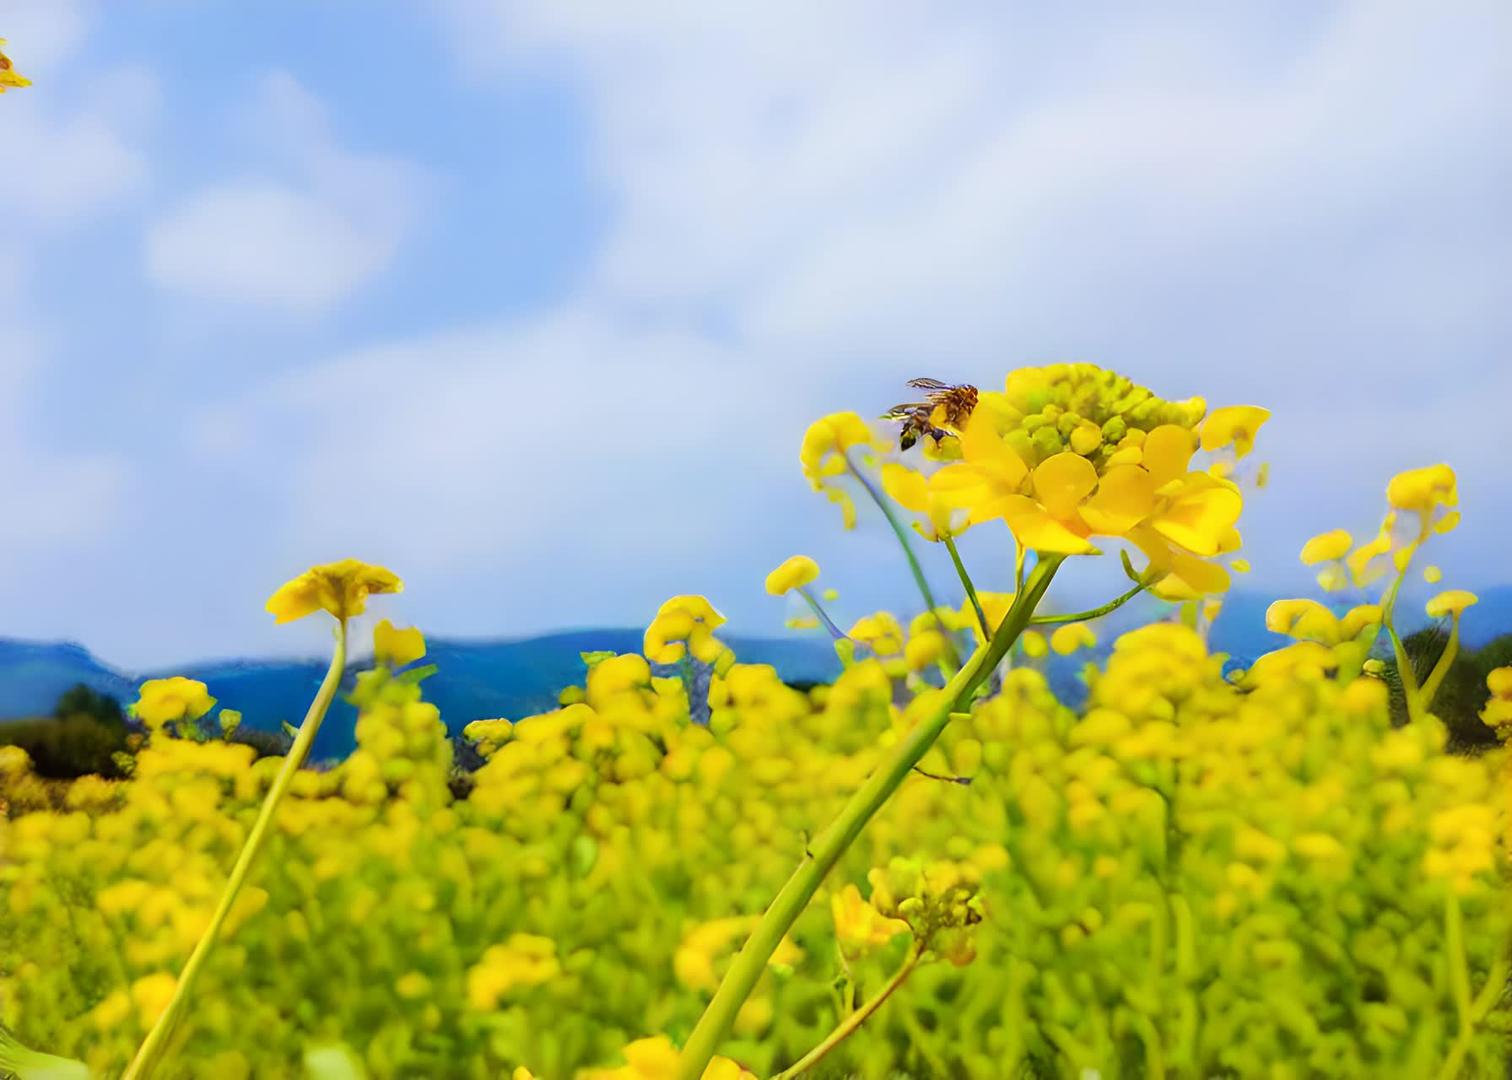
[(86, 730), (1463, 694)]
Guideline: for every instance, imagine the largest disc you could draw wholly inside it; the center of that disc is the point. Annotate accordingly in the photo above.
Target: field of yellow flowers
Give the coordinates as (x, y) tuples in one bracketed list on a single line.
[(931, 868)]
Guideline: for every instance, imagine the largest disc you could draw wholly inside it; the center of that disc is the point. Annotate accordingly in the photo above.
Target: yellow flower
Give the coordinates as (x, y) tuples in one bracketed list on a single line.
[(1422, 491), (1303, 619), (682, 625), (342, 588), (1034, 644), (523, 960), (1433, 575), (151, 994), (1497, 715), (10, 78), (881, 631), (657, 1059), (1234, 425), (859, 927), (1067, 639), (794, 573), (1028, 458), (394, 648), (823, 455), (910, 490), (1326, 547), (164, 701), (1451, 602)]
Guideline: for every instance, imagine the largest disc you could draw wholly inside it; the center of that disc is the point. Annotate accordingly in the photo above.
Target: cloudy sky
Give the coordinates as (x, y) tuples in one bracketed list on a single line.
[(533, 301)]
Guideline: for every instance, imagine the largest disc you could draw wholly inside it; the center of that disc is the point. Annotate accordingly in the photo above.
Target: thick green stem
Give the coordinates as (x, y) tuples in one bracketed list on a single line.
[(966, 583), (152, 1048), (848, 1026), (901, 532), (827, 848), (1094, 613)]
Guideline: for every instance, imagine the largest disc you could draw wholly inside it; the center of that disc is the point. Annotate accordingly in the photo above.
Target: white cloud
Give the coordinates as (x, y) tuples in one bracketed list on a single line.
[(69, 138), (1304, 209), (303, 240)]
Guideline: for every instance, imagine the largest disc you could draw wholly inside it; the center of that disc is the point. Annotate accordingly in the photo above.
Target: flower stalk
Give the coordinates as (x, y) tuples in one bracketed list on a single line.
[(827, 848), (152, 1048), (852, 1022)]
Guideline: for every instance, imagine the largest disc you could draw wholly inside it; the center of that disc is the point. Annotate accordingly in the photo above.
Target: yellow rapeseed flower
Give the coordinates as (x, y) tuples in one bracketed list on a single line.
[(164, 701), (794, 573), (1451, 602), (684, 624), (1028, 459), (860, 927), (1233, 425), (910, 489), (1422, 491), (657, 1059), (1327, 547), (10, 78), (341, 588), (394, 648), (1306, 620), (1067, 639), (823, 455)]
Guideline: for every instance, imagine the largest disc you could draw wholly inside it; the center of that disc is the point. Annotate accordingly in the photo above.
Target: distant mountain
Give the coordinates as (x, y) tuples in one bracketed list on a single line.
[(514, 678), (474, 680)]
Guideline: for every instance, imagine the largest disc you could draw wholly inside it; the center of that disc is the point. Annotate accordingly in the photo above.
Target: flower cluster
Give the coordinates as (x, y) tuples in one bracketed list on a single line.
[(1222, 876)]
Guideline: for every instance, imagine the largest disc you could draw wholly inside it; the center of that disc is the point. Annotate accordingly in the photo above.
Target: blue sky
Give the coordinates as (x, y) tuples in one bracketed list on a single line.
[(533, 301)]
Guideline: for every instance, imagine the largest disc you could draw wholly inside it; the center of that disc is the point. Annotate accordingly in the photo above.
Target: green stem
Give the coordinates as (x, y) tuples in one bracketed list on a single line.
[(1459, 984), (848, 1026), (1410, 691), (830, 845), (901, 532), (1094, 613), (152, 1048), (1441, 669), (971, 593), (819, 613)]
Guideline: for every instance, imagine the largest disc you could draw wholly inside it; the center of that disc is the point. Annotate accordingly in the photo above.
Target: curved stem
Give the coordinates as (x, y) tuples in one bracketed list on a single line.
[(901, 532), (855, 1019), (827, 848), (1094, 613), (1430, 688), (152, 1047), (820, 614), (971, 593)]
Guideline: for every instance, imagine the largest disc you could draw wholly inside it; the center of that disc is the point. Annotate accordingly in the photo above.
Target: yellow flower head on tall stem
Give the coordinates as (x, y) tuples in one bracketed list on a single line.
[(794, 573), (1071, 452), (684, 624), (341, 588), (823, 455), (859, 927), (165, 701), (10, 78)]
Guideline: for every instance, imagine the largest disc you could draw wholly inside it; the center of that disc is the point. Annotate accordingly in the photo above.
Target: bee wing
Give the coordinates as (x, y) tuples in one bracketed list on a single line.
[(904, 411), (929, 384)]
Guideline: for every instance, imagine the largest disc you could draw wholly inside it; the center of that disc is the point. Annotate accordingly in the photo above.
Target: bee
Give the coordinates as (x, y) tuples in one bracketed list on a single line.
[(918, 416)]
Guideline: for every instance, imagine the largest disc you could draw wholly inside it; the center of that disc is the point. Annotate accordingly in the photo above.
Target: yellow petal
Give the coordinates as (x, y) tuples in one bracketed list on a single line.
[(794, 573), (1451, 602), (395, 648), (1325, 547), (1062, 481), (907, 487), (1422, 490), (1124, 497), (1167, 452), (1233, 424), (1201, 517), (1036, 530)]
